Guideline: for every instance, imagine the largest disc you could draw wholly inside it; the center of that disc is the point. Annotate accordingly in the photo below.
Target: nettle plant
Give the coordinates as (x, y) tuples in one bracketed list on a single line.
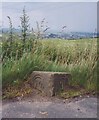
[(24, 25), (42, 27), (10, 30)]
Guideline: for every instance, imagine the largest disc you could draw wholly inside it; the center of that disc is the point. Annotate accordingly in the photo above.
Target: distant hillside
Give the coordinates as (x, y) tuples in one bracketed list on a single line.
[(5, 30), (54, 34), (71, 35)]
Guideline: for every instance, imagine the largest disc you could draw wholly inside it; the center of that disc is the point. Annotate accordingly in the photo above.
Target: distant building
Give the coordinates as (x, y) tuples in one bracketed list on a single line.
[(53, 35)]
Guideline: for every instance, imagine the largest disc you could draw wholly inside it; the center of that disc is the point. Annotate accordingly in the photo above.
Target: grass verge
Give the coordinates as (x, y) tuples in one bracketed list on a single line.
[(79, 57)]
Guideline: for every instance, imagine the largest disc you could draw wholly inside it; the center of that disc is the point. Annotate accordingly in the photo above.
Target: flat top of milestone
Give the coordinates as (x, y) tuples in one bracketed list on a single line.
[(49, 72)]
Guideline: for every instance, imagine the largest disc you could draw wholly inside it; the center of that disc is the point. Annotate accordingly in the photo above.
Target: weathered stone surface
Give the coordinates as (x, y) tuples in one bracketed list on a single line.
[(50, 83)]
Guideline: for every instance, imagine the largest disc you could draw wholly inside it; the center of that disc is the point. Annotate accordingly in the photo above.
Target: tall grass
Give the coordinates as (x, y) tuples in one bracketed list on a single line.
[(79, 57)]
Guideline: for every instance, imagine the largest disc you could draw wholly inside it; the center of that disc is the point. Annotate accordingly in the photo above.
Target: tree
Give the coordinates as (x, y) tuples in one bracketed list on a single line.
[(11, 30), (24, 25)]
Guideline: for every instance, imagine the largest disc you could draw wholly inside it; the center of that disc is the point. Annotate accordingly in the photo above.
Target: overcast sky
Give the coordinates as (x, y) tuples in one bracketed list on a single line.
[(49, 0), (77, 16)]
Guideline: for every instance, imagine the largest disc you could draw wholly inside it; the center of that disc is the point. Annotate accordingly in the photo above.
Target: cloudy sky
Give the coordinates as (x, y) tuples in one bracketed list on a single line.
[(77, 16)]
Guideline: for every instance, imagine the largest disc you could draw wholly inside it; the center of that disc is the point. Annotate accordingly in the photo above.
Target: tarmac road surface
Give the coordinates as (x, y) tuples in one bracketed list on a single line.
[(55, 108)]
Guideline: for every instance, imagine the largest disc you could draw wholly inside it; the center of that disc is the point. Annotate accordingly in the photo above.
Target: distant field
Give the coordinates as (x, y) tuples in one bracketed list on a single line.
[(79, 57)]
